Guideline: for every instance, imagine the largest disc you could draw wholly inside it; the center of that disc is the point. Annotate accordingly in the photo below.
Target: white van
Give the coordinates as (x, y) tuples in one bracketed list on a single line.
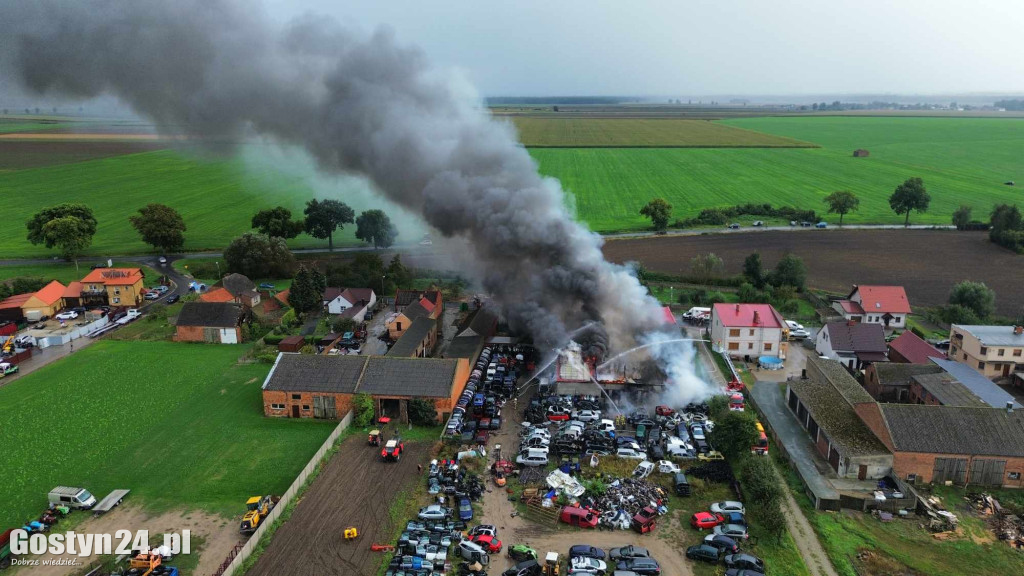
[(71, 497)]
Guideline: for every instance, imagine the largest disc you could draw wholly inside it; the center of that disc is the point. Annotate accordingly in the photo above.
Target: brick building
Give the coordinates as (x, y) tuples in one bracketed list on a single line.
[(315, 386), (890, 381), (217, 322)]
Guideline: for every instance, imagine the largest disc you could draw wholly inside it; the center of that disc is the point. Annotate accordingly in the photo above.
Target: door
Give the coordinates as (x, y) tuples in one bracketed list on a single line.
[(228, 336), (295, 411), (1006, 370), (862, 472)]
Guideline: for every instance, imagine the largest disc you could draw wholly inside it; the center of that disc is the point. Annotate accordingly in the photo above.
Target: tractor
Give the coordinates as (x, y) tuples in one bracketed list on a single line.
[(392, 451), (374, 438), (257, 509)]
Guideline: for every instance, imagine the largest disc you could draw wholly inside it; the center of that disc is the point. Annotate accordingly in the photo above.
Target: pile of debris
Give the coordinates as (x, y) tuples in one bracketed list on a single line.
[(1006, 525), (623, 499), (714, 471)]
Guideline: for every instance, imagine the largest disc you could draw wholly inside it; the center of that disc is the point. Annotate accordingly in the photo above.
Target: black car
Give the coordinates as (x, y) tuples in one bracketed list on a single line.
[(642, 566), (742, 572), (528, 568), (628, 552), (702, 552), (744, 561), (495, 423), (172, 299), (79, 309), (723, 543), (586, 550)]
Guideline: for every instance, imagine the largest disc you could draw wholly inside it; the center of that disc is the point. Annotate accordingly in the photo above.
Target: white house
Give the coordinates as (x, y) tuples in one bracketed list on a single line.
[(852, 344), (749, 330), (885, 305), (349, 302)]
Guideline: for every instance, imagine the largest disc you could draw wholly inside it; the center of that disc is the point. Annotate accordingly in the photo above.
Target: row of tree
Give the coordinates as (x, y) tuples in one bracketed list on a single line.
[(322, 219)]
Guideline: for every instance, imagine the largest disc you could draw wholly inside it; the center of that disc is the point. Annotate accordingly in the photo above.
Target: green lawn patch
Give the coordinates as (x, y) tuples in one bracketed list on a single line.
[(181, 425), (65, 272)]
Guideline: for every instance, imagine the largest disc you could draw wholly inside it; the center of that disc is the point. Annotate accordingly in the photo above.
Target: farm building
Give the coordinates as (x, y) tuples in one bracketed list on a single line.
[(911, 349), (113, 286), (958, 385), (994, 351), (472, 334), (73, 295), (749, 330), (317, 386), (418, 340), (46, 302), (236, 288), (10, 308), (218, 322), (885, 305), (890, 381), (291, 343), (825, 405), (401, 320), (853, 344), (349, 302), (861, 153)]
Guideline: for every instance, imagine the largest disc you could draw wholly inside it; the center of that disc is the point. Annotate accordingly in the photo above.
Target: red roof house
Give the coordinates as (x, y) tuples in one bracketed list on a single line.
[(886, 305), (909, 348), (748, 315)]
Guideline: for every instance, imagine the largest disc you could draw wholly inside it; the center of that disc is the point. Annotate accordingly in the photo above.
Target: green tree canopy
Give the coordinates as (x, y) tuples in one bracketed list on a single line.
[(306, 292), (68, 234), (706, 266), (962, 217), (659, 211), (160, 226), (790, 271), (362, 404), (375, 227), (400, 276), (975, 296), (911, 195), (365, 270), (323, 217), (277, 222), (734, 434), (842, 202), (422, 412), (259, 256), (753, 270), (39, 219)]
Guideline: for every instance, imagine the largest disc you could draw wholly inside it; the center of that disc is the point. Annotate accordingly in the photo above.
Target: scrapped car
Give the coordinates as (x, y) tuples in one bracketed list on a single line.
[(702, 552), (581, 517), (434, 512), (735, 531), (745, 562), (586, 550), (465, 510), (668, 467), (723, 543), (628, 552), (643, 566), (488, 542), (728, 506), (705, 520), (586, 565)]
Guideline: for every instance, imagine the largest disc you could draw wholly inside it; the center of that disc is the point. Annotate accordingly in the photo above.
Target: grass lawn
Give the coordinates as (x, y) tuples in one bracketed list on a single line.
[(65, 272), (154, 325), (205, 270), (181, 425), (553, 132), (962, 161)]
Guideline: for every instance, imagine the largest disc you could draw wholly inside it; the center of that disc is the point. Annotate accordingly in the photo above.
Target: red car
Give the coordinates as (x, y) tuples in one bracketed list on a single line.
[(558, 416), (578, 517), (488, 542), (663, 410), (706, 520), (392, 451)]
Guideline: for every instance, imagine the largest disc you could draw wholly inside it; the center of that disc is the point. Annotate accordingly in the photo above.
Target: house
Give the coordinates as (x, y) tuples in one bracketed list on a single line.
[(317, 386), (861, 153), (958, 385), (10, 308), (825, 404), (113, 286), (418, 340), (885, 305), (890, 381), (980, 445), (749, 330), (218, 322), (398, 322), (853, 344), (994, 351), (472, 334), (47, 301), (241, 289), (911, 349), (217, 295), (404, 298), (349, 302)]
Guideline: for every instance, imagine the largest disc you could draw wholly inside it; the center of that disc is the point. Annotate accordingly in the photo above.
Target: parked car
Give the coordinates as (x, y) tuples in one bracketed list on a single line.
[(710, 455), (586, 550), (643, 566), (532, 459), (794, 325), (758, 223), (705, 520), (525, 568), (821, 225), (266, 286), (723, 543), (742, 572), (79, 309), (578, 517), (734, 226), (735, 531), (67, 315), (668, 467), (745, 562), (488, 542), (799, 334), (703, 552), (630, 551), (488, 529), (805, 224), (152, 295), (585, 565), (728, 506), (172, 299), (434, 512), (587, 415), (465, 509), (521, 553), (631, 454)]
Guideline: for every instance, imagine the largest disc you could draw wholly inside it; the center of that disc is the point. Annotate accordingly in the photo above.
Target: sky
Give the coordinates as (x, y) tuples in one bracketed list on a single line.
[(704, 47)]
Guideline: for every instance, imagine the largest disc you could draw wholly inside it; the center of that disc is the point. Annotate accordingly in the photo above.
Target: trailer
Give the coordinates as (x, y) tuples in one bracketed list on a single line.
[(110, 501)]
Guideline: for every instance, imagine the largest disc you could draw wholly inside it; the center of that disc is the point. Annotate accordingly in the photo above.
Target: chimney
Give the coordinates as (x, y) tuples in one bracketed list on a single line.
[(850, 323), (757, 318), (737, 308), (1009, 407), (1018, 330)]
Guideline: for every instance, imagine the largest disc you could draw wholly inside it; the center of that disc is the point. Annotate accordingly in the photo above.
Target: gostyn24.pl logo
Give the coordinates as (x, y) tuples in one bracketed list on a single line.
[(84, 545)]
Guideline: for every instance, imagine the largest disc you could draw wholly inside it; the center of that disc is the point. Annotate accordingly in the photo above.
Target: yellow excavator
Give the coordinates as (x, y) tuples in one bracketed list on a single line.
[(257, 509), (8, 345)]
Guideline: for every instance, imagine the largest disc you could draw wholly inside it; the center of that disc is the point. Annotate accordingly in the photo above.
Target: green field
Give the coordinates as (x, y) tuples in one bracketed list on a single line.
[(962, 161), (181, 425), (65, 272), (554, 132)]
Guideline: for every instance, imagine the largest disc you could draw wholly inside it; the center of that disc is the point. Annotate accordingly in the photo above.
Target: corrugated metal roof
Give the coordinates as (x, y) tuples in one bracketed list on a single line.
[(994, 335), (977, 383), (978, 431)]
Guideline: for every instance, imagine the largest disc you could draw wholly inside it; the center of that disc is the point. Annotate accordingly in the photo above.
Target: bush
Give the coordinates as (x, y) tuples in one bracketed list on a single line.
[(272, 339), (362, 404), (342, 325), (722, 216), (307, 349), (290, 319), (422, 412)]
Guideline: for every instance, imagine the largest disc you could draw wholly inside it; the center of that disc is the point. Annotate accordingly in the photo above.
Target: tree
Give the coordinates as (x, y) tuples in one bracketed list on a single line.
[(259, 256), (842, 202), (753, 270), (749, 294), (362, 405), (323, 217), (704, 266), (400, 276), (306, 293), (365, 269), (422, 412), (962, 217), (659, 211), (277, 222), (375, 227), (975, 296), (734, 434), (790, 271), (911, 195), (71, 238), (342, 325), (160, 226), (757, 475)]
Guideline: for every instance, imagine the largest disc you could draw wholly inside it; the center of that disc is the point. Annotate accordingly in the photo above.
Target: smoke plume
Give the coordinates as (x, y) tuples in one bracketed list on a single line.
[(358, 104)]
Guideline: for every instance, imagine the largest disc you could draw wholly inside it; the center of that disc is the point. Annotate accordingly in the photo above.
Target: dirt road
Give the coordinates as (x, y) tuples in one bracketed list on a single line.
[(806, 539)]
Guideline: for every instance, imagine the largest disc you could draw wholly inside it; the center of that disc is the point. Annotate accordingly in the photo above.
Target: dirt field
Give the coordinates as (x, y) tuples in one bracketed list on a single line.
[(926, 262), (356, 489), (18, 154)]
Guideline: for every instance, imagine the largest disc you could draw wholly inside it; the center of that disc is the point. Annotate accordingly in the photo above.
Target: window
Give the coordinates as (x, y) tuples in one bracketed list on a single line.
[(305, 406), (750, 345), (117, 291), (751, 331), (734, 333), (983, 351), (1017, 353), (277, 406), (767, 346), (117, 300), (296, 396), (1014, 475), (734, 345), (981, 365), (398, 326), (1002, 352)]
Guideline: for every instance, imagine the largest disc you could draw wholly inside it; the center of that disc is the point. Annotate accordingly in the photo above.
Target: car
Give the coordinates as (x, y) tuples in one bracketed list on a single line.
[(942, 344), (723, 543), (821, 225), (734, 531), (162, 260), (734, 226), (668, 467), (152, 295), (488, 529), (79, 309), (529, 567), (586, 565), (703, 552), (67, 315), (434, 512), (794, 325), (98, 266), (744, 561), (532, 460), (799, 334), (266, 286), (742, 572), (581, 517), (697, 431), (643, 470), (705, 520), (710, 455), (172, 299), (630, 551), (586, 550), (758, 223), (481, 437), (586, 415), (640, 565), (465, 509), (521, 553), (728, 506), (488, 542), (805, 224), (484, 424), (162, 289), (631, 454), (734, 518)]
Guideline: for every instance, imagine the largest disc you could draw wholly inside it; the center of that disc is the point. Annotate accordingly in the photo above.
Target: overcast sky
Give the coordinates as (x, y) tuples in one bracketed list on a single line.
[(705, 47)]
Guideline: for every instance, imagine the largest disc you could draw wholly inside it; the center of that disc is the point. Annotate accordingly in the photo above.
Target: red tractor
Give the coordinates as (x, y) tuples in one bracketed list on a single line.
[(392, 451)]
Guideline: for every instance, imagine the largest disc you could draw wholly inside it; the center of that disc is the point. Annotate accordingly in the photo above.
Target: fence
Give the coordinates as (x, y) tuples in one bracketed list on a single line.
[(239, 555), (72, 334)]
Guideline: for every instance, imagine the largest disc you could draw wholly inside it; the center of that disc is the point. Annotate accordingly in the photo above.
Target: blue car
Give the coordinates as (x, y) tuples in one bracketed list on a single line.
[(821, 225), (465, 510)]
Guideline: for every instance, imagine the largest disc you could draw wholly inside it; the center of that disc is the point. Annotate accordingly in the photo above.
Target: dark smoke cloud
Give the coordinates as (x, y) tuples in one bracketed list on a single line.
[(357, 104)]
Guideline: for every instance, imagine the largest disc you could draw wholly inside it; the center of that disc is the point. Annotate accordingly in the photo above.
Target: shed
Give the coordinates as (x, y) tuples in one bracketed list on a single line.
[(291, 344)]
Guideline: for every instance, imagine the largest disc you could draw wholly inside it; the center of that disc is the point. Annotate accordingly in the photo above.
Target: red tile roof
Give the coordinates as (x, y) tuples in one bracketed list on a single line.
[(914, 349), (15, 301), (74, 290), (51, 293), (743, 315), (882, 299), (282, 296), (851, 307), (217, 295), (114, 276), (427, 305)]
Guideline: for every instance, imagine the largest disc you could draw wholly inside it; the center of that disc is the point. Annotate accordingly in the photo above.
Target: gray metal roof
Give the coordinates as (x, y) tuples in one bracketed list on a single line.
[(977, 383), (947, 390), (978, 431), (994, 335), (209, 314), (315, 373), (413, 336), (415, 377)]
